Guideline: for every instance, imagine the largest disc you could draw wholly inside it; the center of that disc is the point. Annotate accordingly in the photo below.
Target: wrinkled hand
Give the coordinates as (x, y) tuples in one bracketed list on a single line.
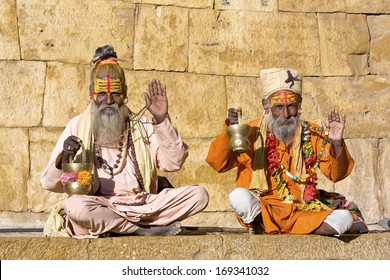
[(233, 115), (336, 124), (157, 101), (71, 145)]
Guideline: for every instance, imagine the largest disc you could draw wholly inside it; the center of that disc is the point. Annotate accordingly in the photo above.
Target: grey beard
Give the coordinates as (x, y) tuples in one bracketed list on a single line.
[(109, 122), (284, 129)]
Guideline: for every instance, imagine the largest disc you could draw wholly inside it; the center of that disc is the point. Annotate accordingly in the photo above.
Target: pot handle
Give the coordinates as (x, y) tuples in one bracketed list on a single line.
[(83, 154)]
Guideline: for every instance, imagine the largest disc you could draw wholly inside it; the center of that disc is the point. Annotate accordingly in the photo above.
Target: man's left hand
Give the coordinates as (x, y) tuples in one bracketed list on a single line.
[(157, 101), (336, 123)]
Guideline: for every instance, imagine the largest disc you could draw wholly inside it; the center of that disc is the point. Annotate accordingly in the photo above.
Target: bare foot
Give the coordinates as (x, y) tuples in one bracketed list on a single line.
[(171, 229), (325, 229)]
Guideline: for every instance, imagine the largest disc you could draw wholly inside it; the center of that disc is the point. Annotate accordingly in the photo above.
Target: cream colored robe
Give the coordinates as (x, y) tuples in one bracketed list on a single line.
[(130, 206)]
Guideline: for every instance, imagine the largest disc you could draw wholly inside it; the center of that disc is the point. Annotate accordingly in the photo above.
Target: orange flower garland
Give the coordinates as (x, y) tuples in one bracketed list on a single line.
[(276, 169), (84, 177)]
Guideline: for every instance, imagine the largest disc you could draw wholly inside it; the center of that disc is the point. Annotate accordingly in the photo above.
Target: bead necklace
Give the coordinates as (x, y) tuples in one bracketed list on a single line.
[(276, 169), (137, 170), (120, 162)]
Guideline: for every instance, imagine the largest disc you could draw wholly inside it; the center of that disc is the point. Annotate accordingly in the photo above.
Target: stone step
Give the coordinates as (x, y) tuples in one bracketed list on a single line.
[(198, 244)]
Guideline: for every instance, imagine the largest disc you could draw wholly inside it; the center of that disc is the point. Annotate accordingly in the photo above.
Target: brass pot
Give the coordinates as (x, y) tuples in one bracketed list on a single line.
[(72, 188), (74, 167), (238, 134)]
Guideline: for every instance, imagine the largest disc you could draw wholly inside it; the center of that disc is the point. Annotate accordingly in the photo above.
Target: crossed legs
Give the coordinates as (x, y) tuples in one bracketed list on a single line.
[(247, 206)]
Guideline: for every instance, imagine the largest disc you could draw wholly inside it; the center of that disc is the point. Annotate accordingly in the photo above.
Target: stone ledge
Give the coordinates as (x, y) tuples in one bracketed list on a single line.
[(203, 246)]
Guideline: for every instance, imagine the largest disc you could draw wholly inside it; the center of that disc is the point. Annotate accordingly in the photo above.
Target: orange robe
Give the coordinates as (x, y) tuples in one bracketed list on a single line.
[(280, 217)]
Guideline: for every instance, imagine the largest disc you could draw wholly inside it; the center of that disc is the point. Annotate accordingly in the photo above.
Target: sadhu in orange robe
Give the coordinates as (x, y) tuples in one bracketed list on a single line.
[(279, 217)]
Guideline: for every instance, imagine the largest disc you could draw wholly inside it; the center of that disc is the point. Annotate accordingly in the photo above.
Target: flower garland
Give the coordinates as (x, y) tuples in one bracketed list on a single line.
[(83, 177), (276, 169)]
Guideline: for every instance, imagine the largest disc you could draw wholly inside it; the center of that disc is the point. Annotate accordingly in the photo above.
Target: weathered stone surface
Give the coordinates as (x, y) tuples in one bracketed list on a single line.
[(45, 134), (200, 247), (246, 93), (363, 185), (340, 56), (168, 248), (351, 6), (14, 166), (180, 3), (117, 248), (382, 176), (161, 38), (71, 30), (231, 43), (309, 247), (9, 42), (22, 93), (213, 219), (197, 103), (363, 100), (66, 93), (380, 40), (41, 147), (10, 219), (40, 248), (244, 5)]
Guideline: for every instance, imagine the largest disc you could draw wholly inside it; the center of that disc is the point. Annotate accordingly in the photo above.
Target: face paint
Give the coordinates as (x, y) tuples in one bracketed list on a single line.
[(284, 97), (107, 85)]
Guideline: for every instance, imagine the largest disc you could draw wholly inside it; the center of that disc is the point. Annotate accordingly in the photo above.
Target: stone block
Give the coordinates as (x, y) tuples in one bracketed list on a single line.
[(382, 175), (380, 40), (362, 99), (56, 248), (244, 5), (350, 6), (307, 247), (66, 93), (363, 185), (245, 92), (70, 31), (40, 200), (197, 103), (196, 248), (213, 219), (9, 219), (201, 4), (9, 41), (22, 93), (45, 134), (199, 247), (344, 44), (241, 43), (161, 38), (14, 168)]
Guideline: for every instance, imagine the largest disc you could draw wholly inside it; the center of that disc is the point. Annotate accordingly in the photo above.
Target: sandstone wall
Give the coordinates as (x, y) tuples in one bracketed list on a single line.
[(209, 54)]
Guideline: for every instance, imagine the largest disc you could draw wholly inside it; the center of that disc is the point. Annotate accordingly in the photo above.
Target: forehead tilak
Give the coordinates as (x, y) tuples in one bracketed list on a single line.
[(108, 85), (283, 97)]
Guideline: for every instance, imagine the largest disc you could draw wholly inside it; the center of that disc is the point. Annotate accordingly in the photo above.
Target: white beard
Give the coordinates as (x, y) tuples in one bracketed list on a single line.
[(284, 129), (109, 122)]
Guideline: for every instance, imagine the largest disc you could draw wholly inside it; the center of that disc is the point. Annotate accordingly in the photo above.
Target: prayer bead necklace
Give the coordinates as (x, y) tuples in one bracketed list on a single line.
[(120, 162)]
